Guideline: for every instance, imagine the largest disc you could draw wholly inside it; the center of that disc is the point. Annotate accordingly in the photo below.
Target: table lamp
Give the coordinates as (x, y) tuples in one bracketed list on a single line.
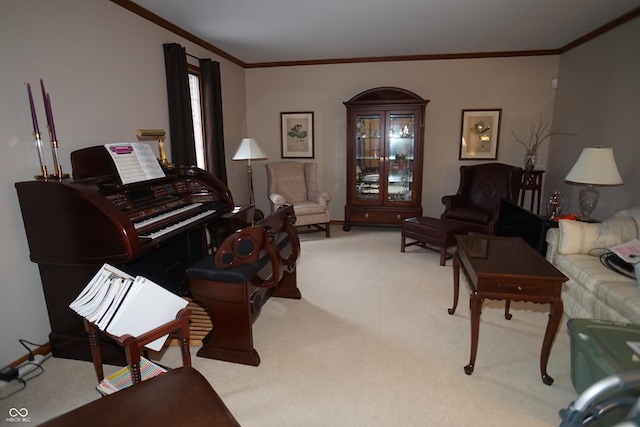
[(595, 166), (249, 150)]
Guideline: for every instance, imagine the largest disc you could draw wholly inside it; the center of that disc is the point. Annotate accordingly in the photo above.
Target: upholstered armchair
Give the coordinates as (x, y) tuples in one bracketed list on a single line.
[(477, 202), (295, 183)]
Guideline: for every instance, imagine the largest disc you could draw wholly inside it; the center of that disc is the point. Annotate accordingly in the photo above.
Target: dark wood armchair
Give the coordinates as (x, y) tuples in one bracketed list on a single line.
[(477, 202)]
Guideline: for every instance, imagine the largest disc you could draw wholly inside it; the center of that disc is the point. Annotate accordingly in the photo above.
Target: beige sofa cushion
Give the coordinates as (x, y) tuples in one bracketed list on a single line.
[(582, 237)]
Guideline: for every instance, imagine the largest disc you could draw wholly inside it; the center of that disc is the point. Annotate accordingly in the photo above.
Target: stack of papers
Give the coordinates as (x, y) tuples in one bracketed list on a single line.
[(120, 304)]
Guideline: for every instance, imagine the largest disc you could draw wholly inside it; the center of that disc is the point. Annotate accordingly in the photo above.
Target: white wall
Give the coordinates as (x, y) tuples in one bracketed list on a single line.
[(520, 86), (599, 100), (104, 69)]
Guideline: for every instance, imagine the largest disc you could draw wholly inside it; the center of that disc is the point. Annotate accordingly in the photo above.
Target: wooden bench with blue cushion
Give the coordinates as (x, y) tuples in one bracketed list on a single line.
[(252, 265)]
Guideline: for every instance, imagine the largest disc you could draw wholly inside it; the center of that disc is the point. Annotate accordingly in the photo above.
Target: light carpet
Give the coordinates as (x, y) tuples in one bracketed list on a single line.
[(370, 344)]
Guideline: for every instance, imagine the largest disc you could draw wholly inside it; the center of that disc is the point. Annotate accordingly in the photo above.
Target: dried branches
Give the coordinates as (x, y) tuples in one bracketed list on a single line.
[(537, 135)]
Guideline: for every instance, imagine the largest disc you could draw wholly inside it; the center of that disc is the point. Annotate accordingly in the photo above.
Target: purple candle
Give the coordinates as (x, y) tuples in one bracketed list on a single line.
[(33, 111), (51, 125), (47, 109)]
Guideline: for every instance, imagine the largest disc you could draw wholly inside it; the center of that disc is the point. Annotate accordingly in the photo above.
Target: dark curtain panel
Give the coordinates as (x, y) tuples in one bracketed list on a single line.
[(183, 151), (212, 118)]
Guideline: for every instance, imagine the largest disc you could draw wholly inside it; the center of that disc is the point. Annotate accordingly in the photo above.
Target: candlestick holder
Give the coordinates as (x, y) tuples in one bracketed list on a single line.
[(56, 162), (43, 168), (44, 176), (60, 175)]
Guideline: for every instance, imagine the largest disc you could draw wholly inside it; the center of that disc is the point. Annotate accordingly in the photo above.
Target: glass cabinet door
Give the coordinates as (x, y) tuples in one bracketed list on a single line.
[(385, 142), (368, 156), (401, 132)]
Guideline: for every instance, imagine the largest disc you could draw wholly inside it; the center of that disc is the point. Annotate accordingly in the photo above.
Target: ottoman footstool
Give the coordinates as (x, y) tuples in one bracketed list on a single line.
[(431, 233)]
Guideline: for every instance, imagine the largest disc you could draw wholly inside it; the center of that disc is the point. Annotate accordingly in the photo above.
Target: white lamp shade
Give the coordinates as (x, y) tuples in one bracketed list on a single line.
[(249, 150), (595, 166)]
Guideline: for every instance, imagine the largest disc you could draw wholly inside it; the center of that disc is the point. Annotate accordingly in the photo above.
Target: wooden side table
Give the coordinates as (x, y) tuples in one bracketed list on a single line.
[(532, 181), (506, 268)]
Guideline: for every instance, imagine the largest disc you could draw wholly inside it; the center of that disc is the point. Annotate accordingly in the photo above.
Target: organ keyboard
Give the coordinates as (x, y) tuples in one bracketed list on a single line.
[(177, 225), (149, 222), (155, 229)]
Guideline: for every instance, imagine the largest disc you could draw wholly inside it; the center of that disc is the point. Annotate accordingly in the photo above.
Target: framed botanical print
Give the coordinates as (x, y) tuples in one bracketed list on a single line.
[(480, 134), (297, 135)]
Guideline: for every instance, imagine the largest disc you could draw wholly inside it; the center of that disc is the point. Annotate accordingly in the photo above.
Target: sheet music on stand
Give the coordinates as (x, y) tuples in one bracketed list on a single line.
[(135, 161), (118, 303)]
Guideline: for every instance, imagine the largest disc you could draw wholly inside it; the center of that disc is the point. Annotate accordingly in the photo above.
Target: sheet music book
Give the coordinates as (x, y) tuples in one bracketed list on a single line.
[(135, 161), (122, 379), (120, 304), (628, 251)]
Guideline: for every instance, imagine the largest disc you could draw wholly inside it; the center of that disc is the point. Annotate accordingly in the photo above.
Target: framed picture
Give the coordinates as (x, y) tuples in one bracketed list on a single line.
[(297, 135), (480, 134)]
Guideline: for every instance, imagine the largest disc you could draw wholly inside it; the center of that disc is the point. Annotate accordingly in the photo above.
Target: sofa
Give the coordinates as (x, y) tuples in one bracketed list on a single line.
[(594, 291)]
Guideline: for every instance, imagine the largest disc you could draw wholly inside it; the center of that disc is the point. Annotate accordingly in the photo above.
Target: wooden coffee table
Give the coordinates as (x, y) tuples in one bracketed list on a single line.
[(506, 268)]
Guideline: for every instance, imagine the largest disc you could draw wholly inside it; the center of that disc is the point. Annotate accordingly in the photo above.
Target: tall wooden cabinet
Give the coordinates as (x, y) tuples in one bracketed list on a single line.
[(385, 143)]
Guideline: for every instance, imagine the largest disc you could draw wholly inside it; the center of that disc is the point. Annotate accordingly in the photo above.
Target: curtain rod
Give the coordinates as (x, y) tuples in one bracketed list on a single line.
[(194, 57)]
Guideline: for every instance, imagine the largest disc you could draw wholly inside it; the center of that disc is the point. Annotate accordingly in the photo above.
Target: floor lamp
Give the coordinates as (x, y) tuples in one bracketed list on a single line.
[(250, 150), (595, 166)]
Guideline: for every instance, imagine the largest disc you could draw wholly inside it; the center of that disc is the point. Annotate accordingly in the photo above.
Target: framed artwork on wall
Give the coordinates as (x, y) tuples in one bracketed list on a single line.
[(480, 134), (297, 135)]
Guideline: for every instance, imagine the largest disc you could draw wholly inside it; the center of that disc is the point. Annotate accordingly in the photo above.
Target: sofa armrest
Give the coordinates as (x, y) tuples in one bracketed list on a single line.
[(277, 199), (553, 240), (453, 201), (320, 197)]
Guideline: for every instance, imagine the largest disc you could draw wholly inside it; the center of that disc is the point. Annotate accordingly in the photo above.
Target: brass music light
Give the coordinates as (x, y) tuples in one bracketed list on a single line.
[(159, 134)]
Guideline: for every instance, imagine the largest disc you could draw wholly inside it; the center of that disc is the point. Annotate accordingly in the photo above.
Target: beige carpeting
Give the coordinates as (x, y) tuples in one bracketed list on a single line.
[(370, 344)]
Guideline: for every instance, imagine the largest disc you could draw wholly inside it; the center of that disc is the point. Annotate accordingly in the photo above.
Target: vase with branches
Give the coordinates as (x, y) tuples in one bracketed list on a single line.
[(538, 133)]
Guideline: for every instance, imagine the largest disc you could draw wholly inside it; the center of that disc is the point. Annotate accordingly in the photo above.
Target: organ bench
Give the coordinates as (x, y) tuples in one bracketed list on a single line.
[(252, 265)]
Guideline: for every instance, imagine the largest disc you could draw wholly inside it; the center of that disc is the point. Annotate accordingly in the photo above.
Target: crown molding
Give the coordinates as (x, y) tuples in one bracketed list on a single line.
[(150, 16)]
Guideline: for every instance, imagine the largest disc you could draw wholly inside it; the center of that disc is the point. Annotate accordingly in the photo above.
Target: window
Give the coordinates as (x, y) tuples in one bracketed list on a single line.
[(196, 110)]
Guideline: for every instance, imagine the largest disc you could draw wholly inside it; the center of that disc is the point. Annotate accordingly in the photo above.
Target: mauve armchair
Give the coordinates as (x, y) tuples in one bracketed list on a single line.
[(477, 202), (295, 183)]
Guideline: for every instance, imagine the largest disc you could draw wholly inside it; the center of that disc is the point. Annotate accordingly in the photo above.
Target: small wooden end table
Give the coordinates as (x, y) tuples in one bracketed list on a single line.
[(532, 181), (506, 268)]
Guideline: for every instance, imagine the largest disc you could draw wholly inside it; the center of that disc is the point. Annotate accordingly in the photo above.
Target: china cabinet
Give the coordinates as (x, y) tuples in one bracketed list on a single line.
[(385, 139)]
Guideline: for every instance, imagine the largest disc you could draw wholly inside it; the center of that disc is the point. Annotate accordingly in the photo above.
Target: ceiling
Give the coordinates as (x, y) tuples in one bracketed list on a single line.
[(274, 31)]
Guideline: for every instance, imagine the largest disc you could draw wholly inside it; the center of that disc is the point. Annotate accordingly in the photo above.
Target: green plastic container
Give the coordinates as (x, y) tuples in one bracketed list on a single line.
[(600, 348)]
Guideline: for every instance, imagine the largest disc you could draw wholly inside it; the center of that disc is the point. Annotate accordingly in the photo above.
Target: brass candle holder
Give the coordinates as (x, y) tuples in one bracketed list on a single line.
[(56, 162), (43, 168)]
